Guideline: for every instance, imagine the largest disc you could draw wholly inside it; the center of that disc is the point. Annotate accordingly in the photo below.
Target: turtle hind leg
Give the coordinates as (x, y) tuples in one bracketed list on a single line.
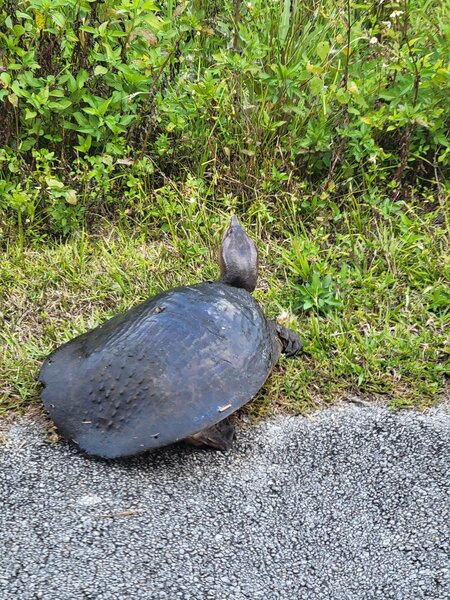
[(289, 340), (220, 436)]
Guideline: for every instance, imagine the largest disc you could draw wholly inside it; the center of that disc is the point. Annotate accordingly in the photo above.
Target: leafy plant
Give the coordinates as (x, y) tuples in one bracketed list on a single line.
[(229, 92), (319, 294)]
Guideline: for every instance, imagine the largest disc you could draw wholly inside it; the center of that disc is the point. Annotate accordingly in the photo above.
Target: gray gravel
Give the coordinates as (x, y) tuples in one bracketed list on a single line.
[(352, 503)]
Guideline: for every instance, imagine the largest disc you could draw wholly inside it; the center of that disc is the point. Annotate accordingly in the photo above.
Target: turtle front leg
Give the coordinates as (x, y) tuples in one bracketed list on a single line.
[(220, 436), (290, 341)]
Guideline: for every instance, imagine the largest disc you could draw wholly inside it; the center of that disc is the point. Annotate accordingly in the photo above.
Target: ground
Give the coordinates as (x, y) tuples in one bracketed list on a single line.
[(349, 503)]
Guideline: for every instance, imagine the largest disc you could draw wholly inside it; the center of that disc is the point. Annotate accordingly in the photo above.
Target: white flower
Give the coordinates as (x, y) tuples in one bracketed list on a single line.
[(286, 318), (373, 41), (396, 13), (387, 24), (249, 5)]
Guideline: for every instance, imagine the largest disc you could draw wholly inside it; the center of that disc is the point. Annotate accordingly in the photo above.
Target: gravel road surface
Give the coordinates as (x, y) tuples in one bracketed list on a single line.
[(350, 504)]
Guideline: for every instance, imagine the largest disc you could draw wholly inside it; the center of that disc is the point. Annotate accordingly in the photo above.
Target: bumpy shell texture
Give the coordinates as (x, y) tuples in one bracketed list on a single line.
[(168, 368)]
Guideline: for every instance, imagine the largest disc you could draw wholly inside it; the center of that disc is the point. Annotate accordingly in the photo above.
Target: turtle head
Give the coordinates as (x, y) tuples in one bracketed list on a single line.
[(238, 258)]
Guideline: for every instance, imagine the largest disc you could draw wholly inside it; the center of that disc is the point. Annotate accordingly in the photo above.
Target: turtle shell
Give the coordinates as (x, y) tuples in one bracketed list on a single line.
[(168, 368)]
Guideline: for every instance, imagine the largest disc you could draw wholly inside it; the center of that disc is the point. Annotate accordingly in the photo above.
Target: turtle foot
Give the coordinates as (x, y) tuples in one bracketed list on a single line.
[(220, 436), (289, 339)]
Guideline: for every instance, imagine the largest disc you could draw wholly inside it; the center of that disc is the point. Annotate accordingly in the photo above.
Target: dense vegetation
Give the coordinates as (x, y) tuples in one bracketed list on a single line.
[(129, 129)]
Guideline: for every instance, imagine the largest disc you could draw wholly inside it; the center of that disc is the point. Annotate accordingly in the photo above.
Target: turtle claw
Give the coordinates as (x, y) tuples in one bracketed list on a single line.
[(290, 340), (220, 436)]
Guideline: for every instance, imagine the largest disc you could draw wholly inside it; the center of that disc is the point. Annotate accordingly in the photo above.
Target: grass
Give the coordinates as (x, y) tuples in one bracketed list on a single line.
[(366, 284)]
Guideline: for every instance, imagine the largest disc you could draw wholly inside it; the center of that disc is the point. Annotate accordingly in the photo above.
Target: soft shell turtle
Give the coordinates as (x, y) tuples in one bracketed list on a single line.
[(171, 368)]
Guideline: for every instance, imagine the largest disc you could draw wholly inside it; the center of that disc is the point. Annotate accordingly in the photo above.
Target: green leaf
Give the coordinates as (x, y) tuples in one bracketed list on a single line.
[(6, 78), (43, 95), (103, 107), (154, 22), (60, 105), (322, 50), (91, 111), (27, 144), (79, 117), (82, 77), (88, 29), (54, 183), (84, 143), (316, 85), (23, 15), (71, 197), (13, 66), (303, 75), (284, 22), (14, 100), (99, 70), (18, 30), (16, 88), (59, 19), (342, 96)]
